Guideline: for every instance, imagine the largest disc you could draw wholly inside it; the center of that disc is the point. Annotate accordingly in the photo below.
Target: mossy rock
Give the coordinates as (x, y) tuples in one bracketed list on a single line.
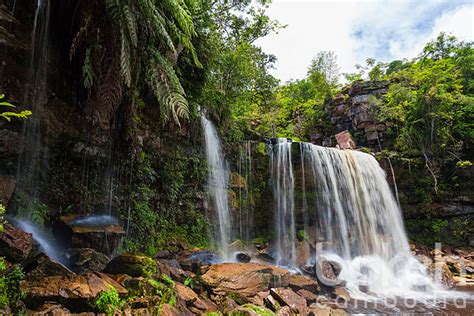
[(136, 265), (250, 309)]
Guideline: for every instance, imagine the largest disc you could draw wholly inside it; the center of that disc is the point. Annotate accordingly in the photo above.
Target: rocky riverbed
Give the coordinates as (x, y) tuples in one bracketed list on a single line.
[(181, 281)]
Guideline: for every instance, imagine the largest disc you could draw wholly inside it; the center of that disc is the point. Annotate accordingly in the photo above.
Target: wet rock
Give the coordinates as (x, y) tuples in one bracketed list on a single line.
[(132, 264), (327, 272), (237, 245), (264, 257), (246, 279), (342, 293), (242, 257), (7, 187), (442, 274), (299, 282), (103, 236), (271, 303), (309, 296), (15, 244), (286, 297), (163, 254), (321, 310), (43, 266), (190, 298), (173, 269), (84, 260)]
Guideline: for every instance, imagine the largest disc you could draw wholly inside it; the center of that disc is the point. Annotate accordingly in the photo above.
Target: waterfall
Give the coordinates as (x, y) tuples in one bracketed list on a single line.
[(33, 158), (283, 191), (217, 187), (244, 231), (356, 218)]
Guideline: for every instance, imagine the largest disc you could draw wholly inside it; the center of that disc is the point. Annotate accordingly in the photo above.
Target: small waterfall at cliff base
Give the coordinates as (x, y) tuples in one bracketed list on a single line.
[(218, 182), (348, 213)]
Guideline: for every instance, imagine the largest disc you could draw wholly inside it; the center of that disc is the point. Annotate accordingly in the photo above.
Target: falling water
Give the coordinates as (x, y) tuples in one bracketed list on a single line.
[(33, 159), (246, 211), (217, 186), (358, 221), (284, 190), (40, 237)]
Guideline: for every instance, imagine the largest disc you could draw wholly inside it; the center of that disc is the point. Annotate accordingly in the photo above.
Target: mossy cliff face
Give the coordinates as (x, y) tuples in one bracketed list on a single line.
[(151, 176)]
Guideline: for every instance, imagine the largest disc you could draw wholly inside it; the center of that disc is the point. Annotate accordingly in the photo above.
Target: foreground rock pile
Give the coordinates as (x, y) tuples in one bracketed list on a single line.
[(185, 282)]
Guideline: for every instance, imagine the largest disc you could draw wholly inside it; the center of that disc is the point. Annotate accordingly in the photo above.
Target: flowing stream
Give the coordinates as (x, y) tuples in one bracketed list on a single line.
[(356, 220), (218, 183)]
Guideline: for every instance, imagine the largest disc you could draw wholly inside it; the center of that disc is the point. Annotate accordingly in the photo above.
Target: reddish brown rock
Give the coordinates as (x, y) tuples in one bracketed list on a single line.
[(15, 244), (70, 287), (345, 141), (300, 282), (286, 297), (246, 279)]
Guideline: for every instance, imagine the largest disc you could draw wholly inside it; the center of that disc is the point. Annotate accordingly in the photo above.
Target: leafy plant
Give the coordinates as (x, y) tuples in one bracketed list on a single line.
[(108, 301), (8, 115)]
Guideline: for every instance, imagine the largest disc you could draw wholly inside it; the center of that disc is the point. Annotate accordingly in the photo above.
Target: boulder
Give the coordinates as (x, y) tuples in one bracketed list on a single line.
[(246, 279), (299, 282), (286, 297), (309, 296), (242, 257), (83, 260), (173, 269), (43, 266), (50, 309), (345, 141), (15, 244), (72, 289), (190, 298), (102, 235), (132, 264), (265, 258)]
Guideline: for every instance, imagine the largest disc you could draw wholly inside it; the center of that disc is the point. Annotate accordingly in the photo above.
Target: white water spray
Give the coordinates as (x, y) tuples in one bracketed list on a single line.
[(357, 219), (217, 186)]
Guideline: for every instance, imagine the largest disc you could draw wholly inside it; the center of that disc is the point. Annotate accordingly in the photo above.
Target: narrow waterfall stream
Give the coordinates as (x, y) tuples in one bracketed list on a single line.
[(356, 219), (217, 186)]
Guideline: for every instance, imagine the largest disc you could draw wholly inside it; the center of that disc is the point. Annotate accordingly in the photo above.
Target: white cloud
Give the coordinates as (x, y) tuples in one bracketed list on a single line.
[(356, 31)]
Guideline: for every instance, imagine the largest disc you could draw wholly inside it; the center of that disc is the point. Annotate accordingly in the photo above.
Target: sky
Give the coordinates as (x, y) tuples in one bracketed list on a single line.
[(357, 30)]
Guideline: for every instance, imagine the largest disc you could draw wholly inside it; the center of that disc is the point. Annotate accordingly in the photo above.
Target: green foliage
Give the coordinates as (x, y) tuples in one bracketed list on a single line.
[(108, 301), (8, 115), (189, 282), (259, 310), (31, 208), (139, 54), (10, 278)]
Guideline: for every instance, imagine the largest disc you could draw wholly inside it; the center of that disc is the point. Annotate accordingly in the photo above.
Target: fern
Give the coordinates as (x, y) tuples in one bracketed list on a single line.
[(88, 70), (159, 26)]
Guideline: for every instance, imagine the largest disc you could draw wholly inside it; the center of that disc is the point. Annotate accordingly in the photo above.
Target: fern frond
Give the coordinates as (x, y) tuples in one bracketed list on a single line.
[(129, 18), (125, 69), (88, 70)]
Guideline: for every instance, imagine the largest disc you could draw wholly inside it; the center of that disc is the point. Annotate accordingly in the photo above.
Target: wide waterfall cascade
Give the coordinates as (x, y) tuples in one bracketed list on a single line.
[(355, 218), (218, 183)]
